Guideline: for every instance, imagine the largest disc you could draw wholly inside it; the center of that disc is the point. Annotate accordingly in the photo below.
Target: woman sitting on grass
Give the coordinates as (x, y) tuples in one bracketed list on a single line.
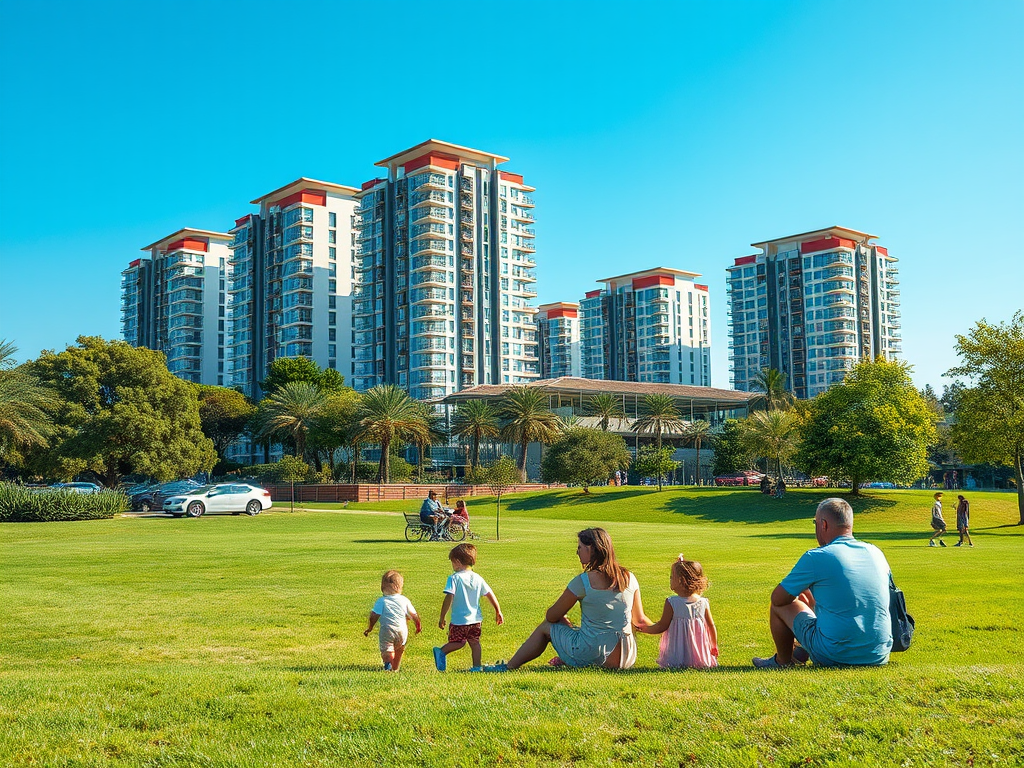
[(610, 604)]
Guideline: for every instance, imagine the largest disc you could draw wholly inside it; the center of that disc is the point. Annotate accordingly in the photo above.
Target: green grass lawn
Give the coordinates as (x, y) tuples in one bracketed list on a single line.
[(235, 641)]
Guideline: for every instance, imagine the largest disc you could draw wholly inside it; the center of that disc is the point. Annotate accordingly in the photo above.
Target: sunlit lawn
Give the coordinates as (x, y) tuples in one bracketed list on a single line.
[(235, 641)]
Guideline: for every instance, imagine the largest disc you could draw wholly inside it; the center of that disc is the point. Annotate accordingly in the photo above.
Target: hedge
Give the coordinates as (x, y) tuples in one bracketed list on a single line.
[(26, 505)]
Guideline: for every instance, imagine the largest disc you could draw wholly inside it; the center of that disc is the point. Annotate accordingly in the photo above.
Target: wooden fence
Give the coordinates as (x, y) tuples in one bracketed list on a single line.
[(392, 492)]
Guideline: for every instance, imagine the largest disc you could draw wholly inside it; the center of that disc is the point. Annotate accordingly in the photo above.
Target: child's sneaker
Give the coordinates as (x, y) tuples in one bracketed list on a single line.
[(932, 544), (439, 660), (387, 666), (959, 543), (942, 543), (501, 666), (476, 669)]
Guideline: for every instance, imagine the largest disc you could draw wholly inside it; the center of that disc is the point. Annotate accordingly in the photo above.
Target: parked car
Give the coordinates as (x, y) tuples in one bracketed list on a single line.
[(78, 487), (819, 482), (152, 497), (225, 497), (747, 477)]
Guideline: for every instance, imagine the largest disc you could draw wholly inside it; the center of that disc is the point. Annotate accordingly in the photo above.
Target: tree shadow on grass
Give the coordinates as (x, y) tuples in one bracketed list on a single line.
[(571, 497), (750, 506)]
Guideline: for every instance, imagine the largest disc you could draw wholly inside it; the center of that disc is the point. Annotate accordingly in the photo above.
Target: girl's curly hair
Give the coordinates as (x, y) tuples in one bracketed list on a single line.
[(691, 575)]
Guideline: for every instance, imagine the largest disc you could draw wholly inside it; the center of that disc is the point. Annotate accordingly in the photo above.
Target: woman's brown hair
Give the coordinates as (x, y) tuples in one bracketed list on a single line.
[(602, 558)]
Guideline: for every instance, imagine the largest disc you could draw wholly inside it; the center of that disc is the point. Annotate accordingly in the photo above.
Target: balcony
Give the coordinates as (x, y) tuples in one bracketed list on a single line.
[(423, 198), (466, 201), (433, 181), (523, 200), (428, 246)]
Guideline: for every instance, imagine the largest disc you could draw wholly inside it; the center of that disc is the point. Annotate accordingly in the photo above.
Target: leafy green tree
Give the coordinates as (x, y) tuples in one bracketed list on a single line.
[(224, 415), (873, 426), (501, 475), (336, 426), (527, 419), (771, 384), (584, 456), (284, 370), (120, 412), (387, 413), (772, 434), (731, 455), (291, 412), (698, 433), (989, 425), (434, 434), (652, 461), (292, 470), (25, 406), (658, 415), (606, 407), (474, 420)]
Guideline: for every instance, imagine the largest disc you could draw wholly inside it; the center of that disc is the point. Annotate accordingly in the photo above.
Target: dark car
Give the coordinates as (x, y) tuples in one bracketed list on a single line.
[(152, 498)]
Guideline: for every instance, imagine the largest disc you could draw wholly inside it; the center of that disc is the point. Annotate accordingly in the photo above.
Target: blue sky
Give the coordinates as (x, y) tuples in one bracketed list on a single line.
[(668, 134)]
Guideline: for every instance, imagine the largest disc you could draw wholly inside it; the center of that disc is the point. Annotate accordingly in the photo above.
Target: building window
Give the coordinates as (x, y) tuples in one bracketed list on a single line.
[(332, 252), (332, 318), (332, 236), (332, 219)]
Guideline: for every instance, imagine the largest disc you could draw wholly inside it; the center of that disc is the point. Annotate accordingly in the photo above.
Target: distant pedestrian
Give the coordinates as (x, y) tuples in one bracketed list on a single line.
[(938, 523), (963, 521)]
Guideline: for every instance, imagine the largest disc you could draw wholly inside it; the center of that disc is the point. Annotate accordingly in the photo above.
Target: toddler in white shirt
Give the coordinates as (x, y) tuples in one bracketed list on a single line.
[(392, 610)]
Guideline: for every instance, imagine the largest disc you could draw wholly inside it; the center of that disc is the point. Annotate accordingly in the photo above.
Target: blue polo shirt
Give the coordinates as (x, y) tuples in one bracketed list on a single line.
[(850, 583)]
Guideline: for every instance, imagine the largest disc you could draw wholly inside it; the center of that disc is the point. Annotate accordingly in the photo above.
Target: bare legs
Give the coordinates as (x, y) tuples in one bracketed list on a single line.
[(780, 621), (533, 647), (394, 658), (474, 648)]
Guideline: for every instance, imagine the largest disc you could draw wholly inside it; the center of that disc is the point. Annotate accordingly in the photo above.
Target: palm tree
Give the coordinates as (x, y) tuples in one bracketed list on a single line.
[(774, 434), (293, 410), (606, 406), (475, 420), (527, 419), (387, 413), (433, 435), (658, 414), (771, 384), (698, 432), (24, 405)]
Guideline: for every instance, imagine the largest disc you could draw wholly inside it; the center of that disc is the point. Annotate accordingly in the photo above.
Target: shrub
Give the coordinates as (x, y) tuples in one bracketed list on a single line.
[(25, 505)]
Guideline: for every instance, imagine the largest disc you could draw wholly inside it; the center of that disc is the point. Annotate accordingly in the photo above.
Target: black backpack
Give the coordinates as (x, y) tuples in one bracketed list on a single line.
[(902, 622)]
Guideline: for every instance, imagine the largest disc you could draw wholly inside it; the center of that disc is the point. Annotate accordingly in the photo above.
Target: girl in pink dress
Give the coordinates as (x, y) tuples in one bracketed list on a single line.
[(691, 639)]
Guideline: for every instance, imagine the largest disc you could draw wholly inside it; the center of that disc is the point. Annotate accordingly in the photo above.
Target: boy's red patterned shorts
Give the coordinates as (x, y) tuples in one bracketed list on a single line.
[(463, 633)]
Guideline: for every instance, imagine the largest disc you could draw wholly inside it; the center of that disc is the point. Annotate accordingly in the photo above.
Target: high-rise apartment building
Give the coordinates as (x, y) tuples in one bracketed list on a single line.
[(173, 301), (650, 326), (291, 280), (445, 273), (810, 306), (558, 339)]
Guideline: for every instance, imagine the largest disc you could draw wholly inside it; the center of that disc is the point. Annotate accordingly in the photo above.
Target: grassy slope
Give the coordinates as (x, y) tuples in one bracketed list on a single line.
[(236, 642)]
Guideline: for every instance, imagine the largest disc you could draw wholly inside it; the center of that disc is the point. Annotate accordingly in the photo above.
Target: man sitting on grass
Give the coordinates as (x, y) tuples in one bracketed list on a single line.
[(835, 601)]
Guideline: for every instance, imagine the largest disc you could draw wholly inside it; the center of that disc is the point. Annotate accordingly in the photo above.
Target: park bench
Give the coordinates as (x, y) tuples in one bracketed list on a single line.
[(417, 530)]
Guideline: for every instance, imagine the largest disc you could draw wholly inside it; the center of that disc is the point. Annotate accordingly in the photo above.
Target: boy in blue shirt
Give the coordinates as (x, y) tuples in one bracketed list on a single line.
[(462, 594)]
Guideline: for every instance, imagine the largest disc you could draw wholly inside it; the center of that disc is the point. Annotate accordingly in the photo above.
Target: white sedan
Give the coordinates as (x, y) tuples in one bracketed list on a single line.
[(225, 497)]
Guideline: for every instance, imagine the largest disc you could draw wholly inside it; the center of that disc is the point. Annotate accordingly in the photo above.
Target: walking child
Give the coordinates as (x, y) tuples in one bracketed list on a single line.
[(963, 521), (938, 523), (462, 594), (688, 634), (392, 610)]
